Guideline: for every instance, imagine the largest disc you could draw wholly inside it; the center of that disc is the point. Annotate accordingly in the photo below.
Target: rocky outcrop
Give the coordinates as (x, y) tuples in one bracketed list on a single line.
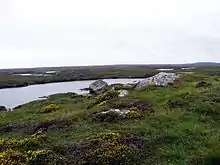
[(122, 93), (98, 87), (160, 79)]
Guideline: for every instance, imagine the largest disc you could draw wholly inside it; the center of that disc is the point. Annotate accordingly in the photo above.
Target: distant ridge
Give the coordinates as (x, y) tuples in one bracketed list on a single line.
[(206, 64), (58, 68)]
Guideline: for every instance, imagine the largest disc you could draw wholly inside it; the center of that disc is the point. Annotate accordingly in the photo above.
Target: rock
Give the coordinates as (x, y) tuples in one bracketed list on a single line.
[(122, 113), (3, 108), (160, 79), (122, 93), (98, 87)]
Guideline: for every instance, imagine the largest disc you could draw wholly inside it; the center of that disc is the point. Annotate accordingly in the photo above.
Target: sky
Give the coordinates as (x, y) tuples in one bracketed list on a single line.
[(39, 33)]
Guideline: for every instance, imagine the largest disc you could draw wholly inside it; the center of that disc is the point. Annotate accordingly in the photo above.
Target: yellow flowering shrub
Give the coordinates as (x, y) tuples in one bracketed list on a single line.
[(106, 137), (101, 104), (111, 94), (133, 115), (24, 151), (110, 153), (12, 157), (38, 157), (50, 108), (111, 150)]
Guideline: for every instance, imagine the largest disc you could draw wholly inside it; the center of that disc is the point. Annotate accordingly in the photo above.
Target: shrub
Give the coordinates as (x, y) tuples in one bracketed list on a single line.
[(107, 137), (110, 116), (117, 86), (50, 108), (106, 96), (133, 115), (101, 104), (38, 157), (32, 142), (102, 98), (12, 157), (25, 151), (111, 151)]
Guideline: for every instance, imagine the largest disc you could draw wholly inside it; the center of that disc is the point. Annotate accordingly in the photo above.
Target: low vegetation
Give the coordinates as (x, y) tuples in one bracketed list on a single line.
[(177, 124), (50, 108)]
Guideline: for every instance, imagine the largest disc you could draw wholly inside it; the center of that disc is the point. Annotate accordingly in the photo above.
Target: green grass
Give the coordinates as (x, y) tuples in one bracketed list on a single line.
[(184, 132)]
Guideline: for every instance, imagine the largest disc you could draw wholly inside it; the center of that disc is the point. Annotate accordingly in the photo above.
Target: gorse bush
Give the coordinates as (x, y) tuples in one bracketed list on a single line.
[(111, 94), (32, 142), (50, 108), (111, 151), (102, 98), (12, 157), (133, 115), (27, 151)]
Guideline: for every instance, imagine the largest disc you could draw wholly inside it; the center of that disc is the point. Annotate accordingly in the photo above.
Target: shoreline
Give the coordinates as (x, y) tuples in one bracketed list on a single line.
[(62, 81)]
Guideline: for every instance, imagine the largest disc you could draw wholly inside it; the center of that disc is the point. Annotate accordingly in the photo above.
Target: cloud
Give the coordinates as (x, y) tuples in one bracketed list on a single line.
[(56, 33)]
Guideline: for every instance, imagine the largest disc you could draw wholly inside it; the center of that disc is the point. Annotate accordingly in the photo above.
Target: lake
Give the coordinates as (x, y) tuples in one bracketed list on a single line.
[(13, 97)]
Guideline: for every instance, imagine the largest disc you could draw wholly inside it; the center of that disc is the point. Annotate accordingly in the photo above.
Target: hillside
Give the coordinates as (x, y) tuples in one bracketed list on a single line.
[(177, 124)]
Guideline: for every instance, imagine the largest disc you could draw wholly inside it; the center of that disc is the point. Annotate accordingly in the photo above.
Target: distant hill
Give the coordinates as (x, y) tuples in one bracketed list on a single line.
[(118, 66), (204, 64)]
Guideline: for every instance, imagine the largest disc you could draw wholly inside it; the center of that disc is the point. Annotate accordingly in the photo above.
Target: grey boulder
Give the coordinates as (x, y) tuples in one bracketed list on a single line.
[(98, 87), (160, 79)]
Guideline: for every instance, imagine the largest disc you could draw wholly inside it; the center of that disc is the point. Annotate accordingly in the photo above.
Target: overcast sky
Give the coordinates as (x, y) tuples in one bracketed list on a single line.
[(94, 32)]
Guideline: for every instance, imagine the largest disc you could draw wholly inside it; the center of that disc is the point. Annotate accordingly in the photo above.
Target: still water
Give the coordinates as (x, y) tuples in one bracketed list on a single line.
[(13, 97)]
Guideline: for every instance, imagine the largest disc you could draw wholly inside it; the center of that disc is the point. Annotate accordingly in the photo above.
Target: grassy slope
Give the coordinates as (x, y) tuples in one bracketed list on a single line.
[(188, 133)]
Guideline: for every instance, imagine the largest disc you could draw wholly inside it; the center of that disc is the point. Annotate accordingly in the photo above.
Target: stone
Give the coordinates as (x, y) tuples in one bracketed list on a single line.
[(3, 108), (122, 113), (98, 87), (160, 79), (122, 93)]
